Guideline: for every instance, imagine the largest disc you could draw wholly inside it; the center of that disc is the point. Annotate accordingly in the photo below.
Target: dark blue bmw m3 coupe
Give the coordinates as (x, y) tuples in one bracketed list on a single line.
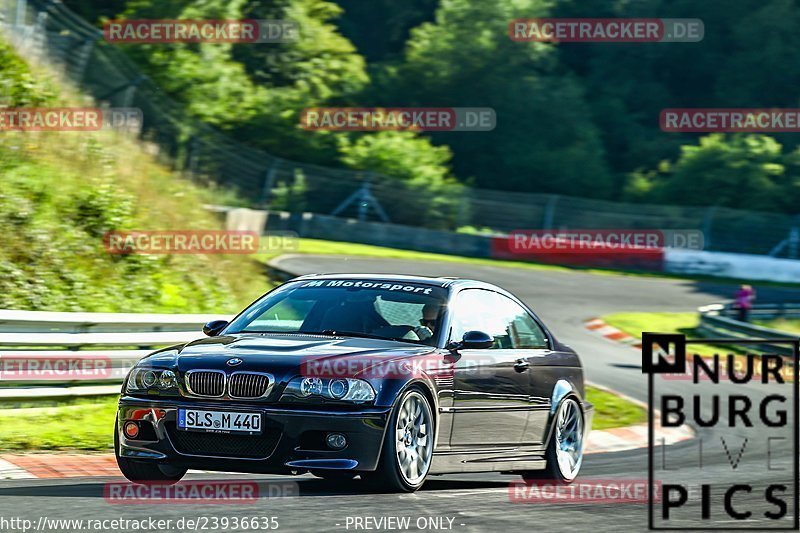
[(387, 378)]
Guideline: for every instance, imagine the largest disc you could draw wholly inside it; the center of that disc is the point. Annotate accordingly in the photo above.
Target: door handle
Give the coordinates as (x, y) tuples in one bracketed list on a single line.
[(521, 365)]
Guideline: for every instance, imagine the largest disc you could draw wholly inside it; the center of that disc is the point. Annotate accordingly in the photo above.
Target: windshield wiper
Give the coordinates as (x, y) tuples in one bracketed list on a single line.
[(339, 333), (259, 331)]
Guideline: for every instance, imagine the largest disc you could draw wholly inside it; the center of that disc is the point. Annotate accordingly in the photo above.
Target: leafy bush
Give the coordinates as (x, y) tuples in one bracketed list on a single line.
[(62, 191), (421, 190), (751, 171)]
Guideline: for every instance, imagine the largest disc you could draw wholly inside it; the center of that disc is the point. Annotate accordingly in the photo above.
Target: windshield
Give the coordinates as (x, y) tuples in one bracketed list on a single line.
[(392, 310)]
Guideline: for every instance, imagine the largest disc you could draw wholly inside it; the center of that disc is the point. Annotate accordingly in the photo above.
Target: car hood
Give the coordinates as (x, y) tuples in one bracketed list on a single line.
[(283, 355)]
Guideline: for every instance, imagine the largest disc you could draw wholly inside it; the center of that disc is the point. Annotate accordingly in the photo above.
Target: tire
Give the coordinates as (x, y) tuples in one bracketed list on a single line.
[(141, 472), (564, 453), (403, 447)]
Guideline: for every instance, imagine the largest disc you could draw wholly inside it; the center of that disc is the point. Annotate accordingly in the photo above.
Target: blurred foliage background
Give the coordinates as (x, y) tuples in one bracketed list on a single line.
[(59, 193), (573, 119), (577, 119)]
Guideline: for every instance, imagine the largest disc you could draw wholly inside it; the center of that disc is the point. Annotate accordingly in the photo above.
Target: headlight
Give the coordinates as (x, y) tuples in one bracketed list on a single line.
[(339, 389), (167, 380), (152, 381), (310, 386)]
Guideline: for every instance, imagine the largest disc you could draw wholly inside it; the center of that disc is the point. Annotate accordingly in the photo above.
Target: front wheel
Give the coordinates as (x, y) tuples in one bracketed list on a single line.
[(142, 472), (565, 450), (408, 448)]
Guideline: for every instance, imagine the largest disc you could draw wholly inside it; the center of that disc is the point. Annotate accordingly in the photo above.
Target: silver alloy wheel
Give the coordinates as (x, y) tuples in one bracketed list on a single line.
[(413, 438), (569, 439)]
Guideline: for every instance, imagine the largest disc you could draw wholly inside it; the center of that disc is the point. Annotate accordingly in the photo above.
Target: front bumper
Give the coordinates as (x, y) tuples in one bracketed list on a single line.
[(290, 441)]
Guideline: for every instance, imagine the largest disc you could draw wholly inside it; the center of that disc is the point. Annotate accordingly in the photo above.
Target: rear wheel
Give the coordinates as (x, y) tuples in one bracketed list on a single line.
[(142, 472), (408, 449), (565, 450)]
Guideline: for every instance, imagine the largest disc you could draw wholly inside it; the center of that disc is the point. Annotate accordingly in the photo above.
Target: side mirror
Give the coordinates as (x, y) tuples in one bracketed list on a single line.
[(213, 328), (473, 340)]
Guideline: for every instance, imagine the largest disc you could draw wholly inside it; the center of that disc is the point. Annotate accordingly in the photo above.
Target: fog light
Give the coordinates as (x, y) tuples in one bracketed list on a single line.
[(131, 429), (336, 441)]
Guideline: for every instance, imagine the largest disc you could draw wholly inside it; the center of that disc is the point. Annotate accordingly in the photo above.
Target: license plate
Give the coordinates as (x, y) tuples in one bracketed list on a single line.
[(219, 421)]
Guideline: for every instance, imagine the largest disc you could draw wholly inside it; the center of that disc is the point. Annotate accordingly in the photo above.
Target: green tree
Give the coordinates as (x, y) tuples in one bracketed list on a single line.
[(745, 59), (380, 28), (256, 92), (411, 177), (545, 140), (741, 171)]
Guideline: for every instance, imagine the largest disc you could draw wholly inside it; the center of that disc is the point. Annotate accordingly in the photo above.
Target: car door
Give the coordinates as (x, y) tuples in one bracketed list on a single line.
[(534, 357), (491, 397)]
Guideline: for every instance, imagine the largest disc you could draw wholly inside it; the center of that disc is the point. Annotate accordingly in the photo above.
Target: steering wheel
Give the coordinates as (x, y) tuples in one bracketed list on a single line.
[(398, 331)]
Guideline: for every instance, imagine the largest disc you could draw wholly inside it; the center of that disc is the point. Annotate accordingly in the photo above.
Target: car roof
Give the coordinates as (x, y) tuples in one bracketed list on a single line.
[(441, 281)]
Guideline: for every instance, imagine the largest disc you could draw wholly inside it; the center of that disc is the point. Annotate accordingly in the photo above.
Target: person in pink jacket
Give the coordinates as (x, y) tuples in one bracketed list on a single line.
[(744, 301)]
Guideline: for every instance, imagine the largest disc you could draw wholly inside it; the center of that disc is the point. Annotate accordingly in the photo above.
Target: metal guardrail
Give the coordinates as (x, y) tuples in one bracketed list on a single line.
[(80, 340), (43, 321), (115, 340), (716, 321)]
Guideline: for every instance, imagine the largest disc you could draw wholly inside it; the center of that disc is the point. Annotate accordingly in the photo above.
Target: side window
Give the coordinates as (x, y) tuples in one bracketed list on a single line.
[(472, 311), (524, 331), (490, 312)]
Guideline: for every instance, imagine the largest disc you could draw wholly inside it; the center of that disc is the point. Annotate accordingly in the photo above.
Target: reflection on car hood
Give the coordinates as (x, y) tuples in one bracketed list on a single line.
[(280, 354)]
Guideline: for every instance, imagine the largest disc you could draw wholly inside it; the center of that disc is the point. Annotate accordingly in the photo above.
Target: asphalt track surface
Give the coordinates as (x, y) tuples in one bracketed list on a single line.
[(480, 502)]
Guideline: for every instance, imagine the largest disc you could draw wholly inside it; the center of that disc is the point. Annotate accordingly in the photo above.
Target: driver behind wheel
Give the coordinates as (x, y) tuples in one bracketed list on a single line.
[(430, 315)]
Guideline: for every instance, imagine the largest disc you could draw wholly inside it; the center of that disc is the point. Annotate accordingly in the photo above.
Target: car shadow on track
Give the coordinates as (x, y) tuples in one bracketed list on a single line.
[(627, 366), (266, 489)]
